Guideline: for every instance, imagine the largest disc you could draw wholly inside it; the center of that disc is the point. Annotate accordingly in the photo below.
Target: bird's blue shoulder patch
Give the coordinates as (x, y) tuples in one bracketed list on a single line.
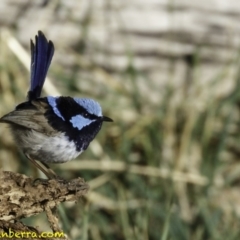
[(52, 102)]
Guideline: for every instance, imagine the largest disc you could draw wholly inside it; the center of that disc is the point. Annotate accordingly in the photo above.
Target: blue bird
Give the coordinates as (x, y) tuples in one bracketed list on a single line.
[(52, 129)]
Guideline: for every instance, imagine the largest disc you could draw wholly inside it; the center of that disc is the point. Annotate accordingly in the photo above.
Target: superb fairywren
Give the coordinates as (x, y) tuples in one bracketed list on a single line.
[(52, 129)]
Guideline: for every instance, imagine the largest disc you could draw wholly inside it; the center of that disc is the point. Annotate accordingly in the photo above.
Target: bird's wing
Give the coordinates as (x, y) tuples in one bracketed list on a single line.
[(31, 116)]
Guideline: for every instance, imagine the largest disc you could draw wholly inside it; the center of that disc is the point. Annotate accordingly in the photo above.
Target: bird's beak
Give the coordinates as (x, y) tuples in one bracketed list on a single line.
[(106, 119)]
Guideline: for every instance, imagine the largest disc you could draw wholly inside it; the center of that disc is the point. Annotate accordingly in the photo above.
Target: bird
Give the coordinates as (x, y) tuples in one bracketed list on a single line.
[(52, 129)]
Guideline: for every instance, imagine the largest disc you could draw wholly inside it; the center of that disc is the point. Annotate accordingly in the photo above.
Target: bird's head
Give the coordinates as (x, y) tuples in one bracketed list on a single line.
[(90, 111)]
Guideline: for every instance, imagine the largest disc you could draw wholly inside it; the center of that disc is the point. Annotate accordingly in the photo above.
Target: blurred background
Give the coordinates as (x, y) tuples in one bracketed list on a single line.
[(167, 72)]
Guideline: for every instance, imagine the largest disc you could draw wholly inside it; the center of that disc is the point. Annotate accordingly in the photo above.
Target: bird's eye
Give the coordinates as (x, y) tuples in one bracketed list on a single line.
[(85, 114)]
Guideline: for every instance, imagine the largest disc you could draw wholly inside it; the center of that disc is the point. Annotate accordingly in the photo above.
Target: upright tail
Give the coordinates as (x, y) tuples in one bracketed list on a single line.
[(41, 56)]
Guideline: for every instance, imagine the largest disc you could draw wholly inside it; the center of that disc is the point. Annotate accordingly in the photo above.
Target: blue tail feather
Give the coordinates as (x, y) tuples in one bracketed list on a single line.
[(41, 56)]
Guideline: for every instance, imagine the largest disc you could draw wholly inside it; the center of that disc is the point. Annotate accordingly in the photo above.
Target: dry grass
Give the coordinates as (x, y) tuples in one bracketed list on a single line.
[(161, 171)]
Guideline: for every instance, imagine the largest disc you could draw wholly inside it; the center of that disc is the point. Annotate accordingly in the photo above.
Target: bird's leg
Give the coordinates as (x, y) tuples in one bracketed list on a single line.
[(48, 171)]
